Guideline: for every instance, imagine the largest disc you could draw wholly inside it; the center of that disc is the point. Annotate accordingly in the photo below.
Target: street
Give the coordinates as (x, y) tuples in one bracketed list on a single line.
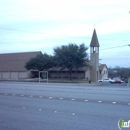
[(34, 106)]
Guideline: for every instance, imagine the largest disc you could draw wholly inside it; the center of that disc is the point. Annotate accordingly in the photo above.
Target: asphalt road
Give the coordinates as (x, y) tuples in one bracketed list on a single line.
[(33, 106)]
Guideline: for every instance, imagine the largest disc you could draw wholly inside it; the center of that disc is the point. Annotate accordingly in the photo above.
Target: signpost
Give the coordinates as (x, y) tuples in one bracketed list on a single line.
[(43, 76)]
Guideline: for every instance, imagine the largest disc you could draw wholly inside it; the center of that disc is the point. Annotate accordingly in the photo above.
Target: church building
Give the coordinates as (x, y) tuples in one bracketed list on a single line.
[(12, 66)]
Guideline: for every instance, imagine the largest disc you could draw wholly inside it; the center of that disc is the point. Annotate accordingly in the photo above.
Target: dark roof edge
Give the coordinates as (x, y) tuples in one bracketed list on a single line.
[(22, 52)]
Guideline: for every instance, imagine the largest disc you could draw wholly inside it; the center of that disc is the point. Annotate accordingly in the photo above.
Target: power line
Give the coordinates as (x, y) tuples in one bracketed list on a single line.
[(24, 31), (17, 30), (115, 47)]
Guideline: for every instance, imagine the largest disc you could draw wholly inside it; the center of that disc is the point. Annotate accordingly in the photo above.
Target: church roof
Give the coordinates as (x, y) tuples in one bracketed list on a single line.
[(94, 40)]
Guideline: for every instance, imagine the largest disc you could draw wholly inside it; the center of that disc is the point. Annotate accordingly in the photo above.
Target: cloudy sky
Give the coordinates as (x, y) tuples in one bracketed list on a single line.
[(41, 25)]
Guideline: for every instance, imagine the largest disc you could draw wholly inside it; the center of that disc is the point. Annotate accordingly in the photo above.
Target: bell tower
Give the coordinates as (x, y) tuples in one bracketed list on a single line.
[(94, 58)]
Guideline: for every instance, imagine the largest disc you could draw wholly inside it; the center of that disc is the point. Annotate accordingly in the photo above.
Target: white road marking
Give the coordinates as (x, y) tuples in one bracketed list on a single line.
[(73, 114), (55, 111), (114, 102), (40, 109), (60, 99)]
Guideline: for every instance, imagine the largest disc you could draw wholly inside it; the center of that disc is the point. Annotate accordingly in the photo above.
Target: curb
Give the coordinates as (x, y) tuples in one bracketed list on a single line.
[(52, 82)]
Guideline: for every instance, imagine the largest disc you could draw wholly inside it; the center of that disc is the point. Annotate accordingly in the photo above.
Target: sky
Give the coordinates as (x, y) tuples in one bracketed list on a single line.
[(42, 25)]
